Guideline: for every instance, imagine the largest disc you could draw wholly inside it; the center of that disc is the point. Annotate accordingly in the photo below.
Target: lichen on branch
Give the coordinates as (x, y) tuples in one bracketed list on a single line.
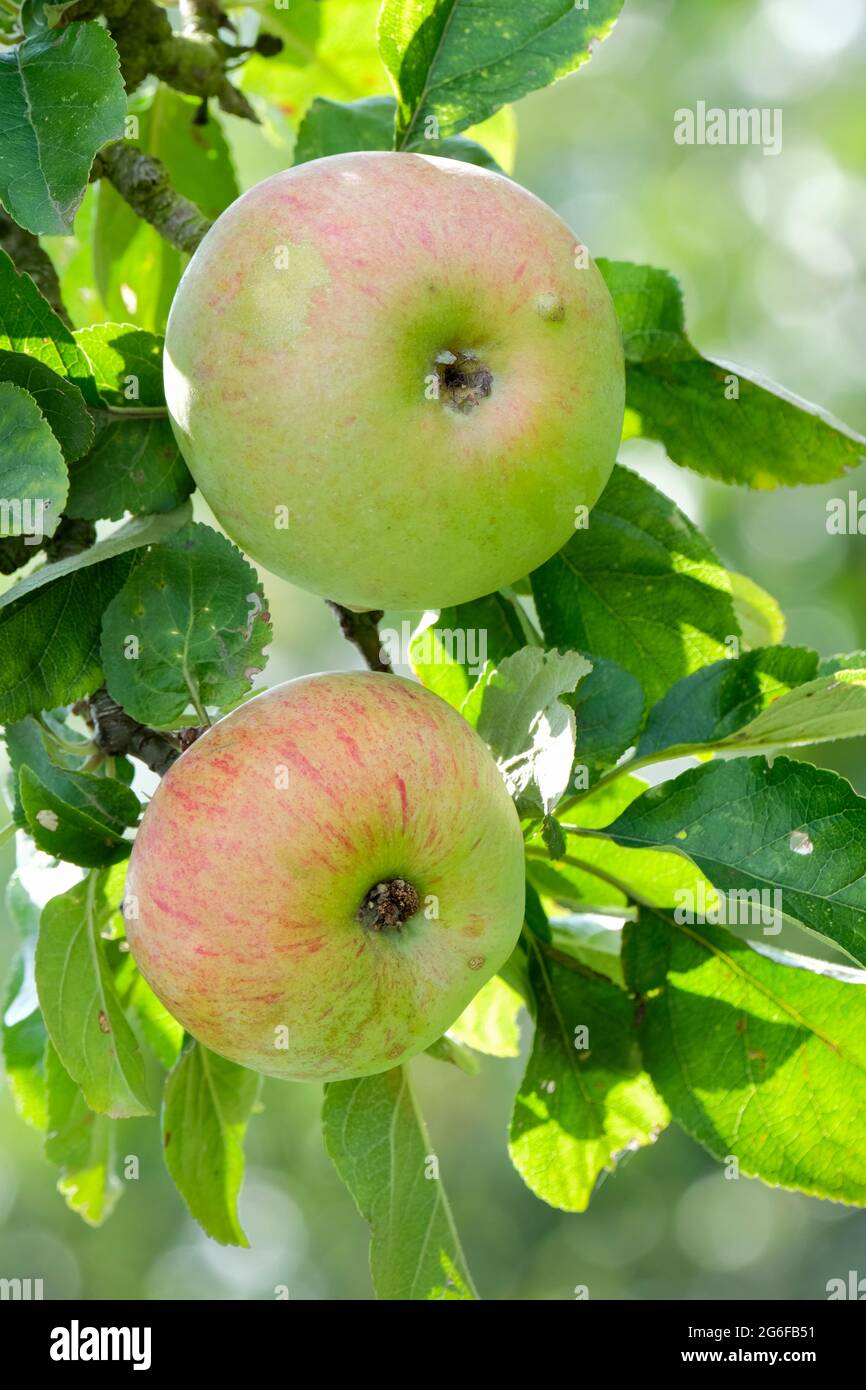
[(144, 183), (117, 733), (193, 61)]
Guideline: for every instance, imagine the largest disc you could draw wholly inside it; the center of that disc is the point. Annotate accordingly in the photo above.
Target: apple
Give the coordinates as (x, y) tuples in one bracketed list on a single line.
[(395, 378), (326, 878)]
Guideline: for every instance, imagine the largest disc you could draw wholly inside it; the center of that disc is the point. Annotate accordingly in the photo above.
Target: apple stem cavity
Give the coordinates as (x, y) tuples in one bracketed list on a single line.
[(388, 905), (464, 380)]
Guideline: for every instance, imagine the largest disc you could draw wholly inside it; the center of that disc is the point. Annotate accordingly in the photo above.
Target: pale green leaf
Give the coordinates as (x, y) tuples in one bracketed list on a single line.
[(379, 1144)]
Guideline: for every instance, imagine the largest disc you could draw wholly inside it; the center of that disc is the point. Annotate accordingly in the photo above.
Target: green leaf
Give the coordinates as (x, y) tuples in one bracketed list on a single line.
[(80, 1005), (640, 586), (339, 127), (81, 1143), (126, 363), (28, 745), (450, 653), (789, 829), (712, 416), (33, 477), (134, 466), (585, 1100), (79, 817), (136, 269), (760, 1062), (458, 61), (61, 99), (530, 730), (50, 622), (758, 613), (162, 1033), (60, 402), (817, 712), (608, 708), (206, 1108), (195, 609), (378, 1142), (718, 700), (490, 1023), (598, 873), (23, 1032), (29, 325)]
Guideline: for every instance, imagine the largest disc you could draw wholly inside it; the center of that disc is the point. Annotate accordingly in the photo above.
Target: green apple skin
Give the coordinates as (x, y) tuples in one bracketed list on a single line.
[(301, 356), (261, 844)]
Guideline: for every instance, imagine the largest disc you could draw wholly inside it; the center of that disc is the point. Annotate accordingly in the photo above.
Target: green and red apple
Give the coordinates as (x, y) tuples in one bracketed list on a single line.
[(396, 379), (326, 878)]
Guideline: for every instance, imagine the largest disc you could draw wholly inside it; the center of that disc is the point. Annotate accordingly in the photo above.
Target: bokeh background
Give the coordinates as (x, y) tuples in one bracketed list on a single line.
[(771, 254)]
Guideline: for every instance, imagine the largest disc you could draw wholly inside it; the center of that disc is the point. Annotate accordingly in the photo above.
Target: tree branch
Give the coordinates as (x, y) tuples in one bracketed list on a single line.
[(143, 181), (362, 630), (117, 733), (192, 62), (27, 255)]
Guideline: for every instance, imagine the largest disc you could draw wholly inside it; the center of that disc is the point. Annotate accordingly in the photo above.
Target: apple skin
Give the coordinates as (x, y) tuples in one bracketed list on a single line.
[(306, 387), (260, 845)]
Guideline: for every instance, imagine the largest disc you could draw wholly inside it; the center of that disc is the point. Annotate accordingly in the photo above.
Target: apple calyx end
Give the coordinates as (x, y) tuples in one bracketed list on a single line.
[(388, 904), (464, 380)]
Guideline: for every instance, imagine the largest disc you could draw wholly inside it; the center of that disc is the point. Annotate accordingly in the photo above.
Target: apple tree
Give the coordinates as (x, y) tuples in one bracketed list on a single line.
[(127, 628)]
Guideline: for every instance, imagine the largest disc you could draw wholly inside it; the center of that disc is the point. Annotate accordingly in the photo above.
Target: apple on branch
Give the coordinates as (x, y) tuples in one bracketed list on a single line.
[(327, 877), (397, 379)]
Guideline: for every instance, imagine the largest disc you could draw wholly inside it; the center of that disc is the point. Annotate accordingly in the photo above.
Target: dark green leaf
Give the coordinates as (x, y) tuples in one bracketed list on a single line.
[(60, 402), (608, 707), (719, 699), (458, 61), (50, 622), (789, 829), (134, 466), (33, 477), (79, 817), (639, 586), (195, 609), (340, 127), (61, 98), (714, 417), (29, 325)]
